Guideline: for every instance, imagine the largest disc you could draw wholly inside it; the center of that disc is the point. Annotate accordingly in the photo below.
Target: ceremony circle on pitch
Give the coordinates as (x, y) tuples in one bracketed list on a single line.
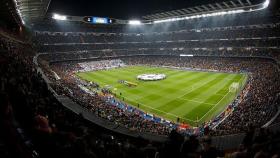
[(151, 77)]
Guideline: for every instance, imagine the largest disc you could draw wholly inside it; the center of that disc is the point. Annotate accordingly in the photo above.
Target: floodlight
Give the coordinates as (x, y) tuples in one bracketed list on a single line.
[(266, 4), (59, 17), (134, 22), (200, 16), (186, 55), (17, 7)]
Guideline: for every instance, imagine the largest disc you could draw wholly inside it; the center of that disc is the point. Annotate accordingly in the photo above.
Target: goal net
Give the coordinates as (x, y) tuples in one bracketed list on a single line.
[(234, 87)]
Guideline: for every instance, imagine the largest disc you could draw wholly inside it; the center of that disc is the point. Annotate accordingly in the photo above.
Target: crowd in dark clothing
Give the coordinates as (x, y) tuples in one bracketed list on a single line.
[(51, 130), (249, 38), (47, 129), (68, 85), (35, 124), (262, 88), (249, 31)]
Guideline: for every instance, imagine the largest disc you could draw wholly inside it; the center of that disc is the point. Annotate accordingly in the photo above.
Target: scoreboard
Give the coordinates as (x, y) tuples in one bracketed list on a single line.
[(97, 20)]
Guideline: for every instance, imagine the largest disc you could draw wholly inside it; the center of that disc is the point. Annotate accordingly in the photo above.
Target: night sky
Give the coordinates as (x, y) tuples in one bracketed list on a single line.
[(122, 9)]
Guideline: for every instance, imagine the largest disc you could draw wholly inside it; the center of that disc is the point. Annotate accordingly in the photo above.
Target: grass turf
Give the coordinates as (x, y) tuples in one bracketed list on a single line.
[(192, 96)]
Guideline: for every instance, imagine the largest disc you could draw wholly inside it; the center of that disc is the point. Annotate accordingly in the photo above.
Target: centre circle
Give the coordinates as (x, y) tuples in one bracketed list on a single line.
[(151, 77)]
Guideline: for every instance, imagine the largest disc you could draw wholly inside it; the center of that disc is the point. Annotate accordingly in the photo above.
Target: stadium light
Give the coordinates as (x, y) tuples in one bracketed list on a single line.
[(59, 17), (266, 4), (17, 7), (134, 22), (263, 6), (201, 15), (186, 55)]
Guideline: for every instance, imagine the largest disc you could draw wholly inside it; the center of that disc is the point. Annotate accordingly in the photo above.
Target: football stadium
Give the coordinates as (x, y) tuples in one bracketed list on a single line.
[(141, 79), (195, 96)]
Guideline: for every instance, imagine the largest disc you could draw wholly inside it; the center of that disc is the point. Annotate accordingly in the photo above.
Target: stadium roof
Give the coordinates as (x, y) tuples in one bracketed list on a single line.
[(31, 10), (202, 9)]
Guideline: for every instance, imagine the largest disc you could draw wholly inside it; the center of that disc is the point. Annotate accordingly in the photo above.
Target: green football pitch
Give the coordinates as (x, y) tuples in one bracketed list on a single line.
[(192, 96)]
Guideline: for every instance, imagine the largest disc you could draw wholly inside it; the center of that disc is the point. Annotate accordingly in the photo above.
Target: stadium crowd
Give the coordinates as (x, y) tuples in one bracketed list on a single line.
[(252, 106), (262, 86), (44, 128), (235, 52), (35, 124), (234, 32), (248, 38), (69, 86)]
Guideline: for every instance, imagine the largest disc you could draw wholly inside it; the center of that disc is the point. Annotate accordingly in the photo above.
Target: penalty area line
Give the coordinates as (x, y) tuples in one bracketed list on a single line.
[(213, 107), (196, 101), (216, 104)]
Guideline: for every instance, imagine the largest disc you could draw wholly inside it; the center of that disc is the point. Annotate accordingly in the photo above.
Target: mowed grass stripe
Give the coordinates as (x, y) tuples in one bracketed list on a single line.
[(175, 89), (123, 74), (111, 76), (203, 94), (151, 91), (152, 88), (180, 110), (200, 82), (168, 97), (193, 86), (223, 102), (202, 108), (175, 103), (236, 78)]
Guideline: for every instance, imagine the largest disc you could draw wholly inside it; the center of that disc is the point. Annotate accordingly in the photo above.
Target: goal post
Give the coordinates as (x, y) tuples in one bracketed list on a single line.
[(234, 87)]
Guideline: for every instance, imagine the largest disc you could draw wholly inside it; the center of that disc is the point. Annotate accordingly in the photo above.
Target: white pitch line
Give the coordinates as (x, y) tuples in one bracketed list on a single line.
[(160, 110), (219, 94), (156, 109), (187, 92), (198, 101), (215, 105), (164, 112), (193, 88), (190, 89)]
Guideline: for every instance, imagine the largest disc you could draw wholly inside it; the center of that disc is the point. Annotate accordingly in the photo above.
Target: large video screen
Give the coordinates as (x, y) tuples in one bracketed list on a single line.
[(99, 20)]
